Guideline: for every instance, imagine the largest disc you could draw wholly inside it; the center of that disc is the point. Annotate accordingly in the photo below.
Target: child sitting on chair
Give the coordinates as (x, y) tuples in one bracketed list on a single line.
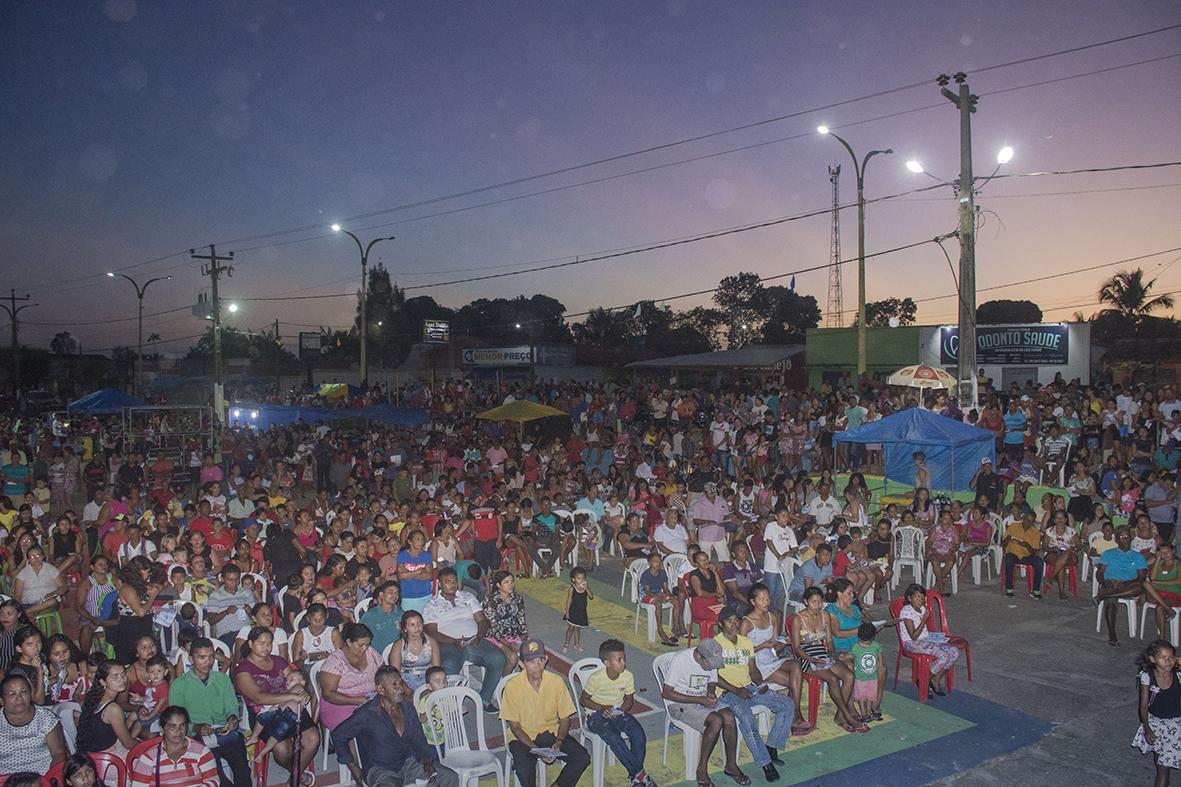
[(277, 723)]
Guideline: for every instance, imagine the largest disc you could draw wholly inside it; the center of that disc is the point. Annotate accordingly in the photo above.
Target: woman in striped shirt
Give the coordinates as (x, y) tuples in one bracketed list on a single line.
[(177, 759)]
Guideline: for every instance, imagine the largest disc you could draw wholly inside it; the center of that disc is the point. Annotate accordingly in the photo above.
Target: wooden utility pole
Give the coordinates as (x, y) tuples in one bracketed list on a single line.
[(13, 314)]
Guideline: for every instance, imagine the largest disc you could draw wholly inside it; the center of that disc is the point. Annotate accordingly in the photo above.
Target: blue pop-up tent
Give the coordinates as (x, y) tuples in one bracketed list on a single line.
[(953, 449), (104, 400)]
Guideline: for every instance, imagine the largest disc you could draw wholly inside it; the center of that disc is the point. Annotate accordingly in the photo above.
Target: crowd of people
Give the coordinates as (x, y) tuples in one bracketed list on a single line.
[(313, 583)]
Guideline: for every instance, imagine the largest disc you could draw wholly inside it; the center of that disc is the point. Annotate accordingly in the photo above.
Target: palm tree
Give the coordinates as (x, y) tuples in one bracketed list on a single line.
[(153, 338), (1129, 296), (63, 343)]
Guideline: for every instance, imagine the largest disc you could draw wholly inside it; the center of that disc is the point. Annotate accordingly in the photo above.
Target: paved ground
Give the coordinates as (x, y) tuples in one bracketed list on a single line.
[(1051, 704)]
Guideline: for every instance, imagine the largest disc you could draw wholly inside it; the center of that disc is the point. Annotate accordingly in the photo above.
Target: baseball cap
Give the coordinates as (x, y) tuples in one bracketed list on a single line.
[(533, 649), (711, 652), (984, 460), (710, 486)]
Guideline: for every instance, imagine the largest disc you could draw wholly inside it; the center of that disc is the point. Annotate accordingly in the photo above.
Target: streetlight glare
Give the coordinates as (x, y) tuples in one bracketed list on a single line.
[(914, 167), (113, 275), (822, 129), (233, 307), (336, 228), (518, 326), (1005, 155)]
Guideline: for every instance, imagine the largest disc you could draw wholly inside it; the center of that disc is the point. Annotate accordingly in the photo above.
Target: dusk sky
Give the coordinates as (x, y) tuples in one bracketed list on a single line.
[(132, 131)]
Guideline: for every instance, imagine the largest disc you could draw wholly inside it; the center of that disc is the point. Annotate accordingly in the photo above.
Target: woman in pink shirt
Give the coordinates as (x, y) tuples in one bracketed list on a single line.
[(346, 679)]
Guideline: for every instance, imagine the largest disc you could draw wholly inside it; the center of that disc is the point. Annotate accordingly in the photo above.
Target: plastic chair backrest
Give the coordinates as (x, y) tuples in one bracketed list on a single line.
[(222, 648), (660, 670), (908, 543), (103, 763), (385, 653), (262, 583), (934, 598), (298, 620), (141, 748), (636, 568), (579, 672), (589, 512), (314, 679), (362, 608), (448, 704), (787, 568), (895, 608), (673, 565)]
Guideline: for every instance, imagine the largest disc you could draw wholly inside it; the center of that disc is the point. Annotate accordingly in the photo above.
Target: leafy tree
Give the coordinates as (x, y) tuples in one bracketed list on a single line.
[(533, 320), (789, 315), (1130, 296), (1003, 311), (64, 343), (879, 313), (742, 298), (605, 336)]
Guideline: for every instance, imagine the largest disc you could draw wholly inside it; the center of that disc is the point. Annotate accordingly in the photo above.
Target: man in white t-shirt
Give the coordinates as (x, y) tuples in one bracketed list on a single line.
[(1171, 404), (688, 690), (671, 537), (781, 542), (721, 436), (823, 507)]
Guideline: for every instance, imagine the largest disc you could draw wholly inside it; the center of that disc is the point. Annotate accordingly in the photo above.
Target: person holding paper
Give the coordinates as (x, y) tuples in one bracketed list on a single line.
[(740, 689), (538, 709), (608, 695)]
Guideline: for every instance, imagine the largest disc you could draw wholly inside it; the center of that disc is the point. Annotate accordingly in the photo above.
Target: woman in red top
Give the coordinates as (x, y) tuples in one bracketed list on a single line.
[(221, 543)]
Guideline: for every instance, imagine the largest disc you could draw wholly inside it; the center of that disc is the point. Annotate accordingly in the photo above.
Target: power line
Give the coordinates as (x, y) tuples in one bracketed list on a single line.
[(1052, 193), (701, 137)]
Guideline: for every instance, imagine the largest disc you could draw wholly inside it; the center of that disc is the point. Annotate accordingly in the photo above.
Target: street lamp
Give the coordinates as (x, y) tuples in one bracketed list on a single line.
[(139, 347), (859, 171), (364, 249), (233, 307)]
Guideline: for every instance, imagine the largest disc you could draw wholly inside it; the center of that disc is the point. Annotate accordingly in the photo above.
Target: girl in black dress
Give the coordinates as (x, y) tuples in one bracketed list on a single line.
[(575, 617)]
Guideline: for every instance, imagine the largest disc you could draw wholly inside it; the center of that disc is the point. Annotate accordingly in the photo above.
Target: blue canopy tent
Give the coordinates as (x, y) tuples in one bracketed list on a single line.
[(953, 449), (102, 401)]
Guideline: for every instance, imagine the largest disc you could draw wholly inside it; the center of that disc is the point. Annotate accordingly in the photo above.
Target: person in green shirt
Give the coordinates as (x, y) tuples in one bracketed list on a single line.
[(384, 616), (213, 711), (741, 690), (869, 673)]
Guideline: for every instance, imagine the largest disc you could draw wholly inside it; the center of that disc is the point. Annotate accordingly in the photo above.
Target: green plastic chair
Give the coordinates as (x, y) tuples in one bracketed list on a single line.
[(49, 623)]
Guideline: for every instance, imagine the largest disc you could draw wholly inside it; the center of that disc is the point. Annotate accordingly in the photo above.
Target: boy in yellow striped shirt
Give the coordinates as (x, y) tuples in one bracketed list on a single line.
[(608, 695)]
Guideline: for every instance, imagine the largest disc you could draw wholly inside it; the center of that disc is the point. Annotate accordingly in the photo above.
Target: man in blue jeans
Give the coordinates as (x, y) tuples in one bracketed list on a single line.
[(742, 691), (608, 695), (456, 620)]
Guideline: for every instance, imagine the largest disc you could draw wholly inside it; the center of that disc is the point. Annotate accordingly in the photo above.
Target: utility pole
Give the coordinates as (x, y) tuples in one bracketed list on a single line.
[(13, 314), (965, 102), (278, 346), (214, 269)]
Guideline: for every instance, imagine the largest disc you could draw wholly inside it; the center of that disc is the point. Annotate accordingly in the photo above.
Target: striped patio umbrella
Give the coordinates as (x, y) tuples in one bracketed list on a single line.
[(922, 376)]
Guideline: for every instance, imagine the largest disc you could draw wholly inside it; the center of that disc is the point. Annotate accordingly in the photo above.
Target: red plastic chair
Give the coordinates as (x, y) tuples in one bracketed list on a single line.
[(1020, 570), (920, 663), (1071, 570), (815, 685), (959, 642), (705, 626), (103, 763), (141, 748)]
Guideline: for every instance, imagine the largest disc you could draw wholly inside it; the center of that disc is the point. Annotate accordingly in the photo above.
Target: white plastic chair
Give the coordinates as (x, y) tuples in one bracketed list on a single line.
[(638, 567), (601, 754), (594, 521), (1174, 623), (998, 554), (1130, 603), (982, 564), (673, 566), (1087, 569), (344, 775), (787, 574), (460, 757), (262, 585), (633, 575), (691, 737), (362, 608), (955, 577), (510, 778), (909, 545)]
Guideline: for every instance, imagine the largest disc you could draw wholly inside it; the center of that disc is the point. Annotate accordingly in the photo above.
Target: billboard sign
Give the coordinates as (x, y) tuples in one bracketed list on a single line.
[(1009, 345), (436, 331), (498, 356), (309, 344)]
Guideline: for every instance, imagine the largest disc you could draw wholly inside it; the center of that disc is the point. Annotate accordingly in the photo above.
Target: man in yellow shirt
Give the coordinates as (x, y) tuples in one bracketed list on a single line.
[(741, 691), (1022, 543), (538, 709)]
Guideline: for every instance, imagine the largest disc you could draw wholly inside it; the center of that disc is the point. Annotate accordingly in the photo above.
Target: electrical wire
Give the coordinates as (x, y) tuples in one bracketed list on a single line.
[(691, 139)]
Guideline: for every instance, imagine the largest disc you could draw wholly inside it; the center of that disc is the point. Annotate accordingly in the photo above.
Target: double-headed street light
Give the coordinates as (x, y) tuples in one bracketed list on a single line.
[(859, 171), (139, 348), (364, 249)]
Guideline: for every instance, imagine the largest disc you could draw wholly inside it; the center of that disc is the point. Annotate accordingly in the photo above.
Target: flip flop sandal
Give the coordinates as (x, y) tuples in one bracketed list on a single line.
[(802, 730), (704, 783), (861, 728), (846, 726), (739, 778)]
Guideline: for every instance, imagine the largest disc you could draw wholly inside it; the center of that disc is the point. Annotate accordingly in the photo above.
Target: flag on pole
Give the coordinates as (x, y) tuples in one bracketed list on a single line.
[(792, 286), (639, 310)]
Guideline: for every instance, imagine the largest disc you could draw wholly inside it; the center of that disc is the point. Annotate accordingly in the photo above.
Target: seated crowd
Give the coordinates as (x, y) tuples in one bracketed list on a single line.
[(323, 579)]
